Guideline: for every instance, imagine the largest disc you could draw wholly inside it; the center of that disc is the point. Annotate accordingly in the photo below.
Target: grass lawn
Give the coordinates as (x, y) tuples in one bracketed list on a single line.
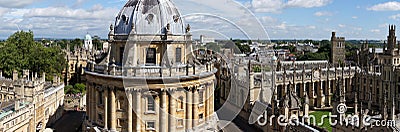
[(318, 114)]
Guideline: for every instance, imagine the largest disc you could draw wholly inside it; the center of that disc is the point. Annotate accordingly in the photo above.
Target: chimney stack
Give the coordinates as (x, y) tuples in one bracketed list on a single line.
[(15, 75)]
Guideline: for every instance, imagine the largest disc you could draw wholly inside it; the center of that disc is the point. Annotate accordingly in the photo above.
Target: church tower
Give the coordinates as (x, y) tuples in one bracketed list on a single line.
[(338, 50), (391, 44)]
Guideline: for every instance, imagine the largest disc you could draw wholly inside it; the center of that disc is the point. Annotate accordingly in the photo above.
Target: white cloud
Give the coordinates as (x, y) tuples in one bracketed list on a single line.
[(16, 3), (388, 6), (354, 17), (323, 13), (267, 5), (3, 11), (395, 17), (375, 30), (342, 25), (275, 6), (65, 12), (78, 3), (308, 3)]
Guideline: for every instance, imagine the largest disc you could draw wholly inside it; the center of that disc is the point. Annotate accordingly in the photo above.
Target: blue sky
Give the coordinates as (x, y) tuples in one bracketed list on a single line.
[(281, 19)]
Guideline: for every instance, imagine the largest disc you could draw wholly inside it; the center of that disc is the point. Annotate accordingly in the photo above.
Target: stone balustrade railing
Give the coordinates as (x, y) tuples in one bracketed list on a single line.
[(151, 71)]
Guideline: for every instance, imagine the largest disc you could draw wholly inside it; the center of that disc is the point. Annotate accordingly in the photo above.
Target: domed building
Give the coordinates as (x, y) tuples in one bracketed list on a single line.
[(88, 42), (150, 79)]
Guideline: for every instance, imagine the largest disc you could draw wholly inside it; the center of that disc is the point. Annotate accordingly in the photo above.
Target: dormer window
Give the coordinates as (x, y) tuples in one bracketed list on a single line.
[(149, 18), (176, 18)]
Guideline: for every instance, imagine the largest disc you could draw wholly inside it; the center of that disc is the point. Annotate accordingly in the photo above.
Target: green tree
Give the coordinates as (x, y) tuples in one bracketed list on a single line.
[(20, 52), (97, 43), (213, 46), (76, 42)]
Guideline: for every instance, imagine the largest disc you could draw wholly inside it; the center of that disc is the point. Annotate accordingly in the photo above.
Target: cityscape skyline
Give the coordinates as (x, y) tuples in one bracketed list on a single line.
[(74, 18)]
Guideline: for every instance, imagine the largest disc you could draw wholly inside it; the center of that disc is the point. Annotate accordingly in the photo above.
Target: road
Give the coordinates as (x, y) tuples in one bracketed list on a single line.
[(70, 122)]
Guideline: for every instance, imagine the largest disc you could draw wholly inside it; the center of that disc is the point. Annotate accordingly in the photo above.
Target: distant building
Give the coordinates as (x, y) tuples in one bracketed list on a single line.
[(338, 54), (204, 39), (88, 42), (306, 47)]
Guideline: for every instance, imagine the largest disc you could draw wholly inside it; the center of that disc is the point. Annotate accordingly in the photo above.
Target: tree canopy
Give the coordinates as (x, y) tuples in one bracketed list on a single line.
[(20, 52), (77, 88)]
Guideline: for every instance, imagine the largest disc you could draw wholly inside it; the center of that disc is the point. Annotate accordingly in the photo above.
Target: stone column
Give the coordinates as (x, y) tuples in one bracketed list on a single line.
[(206, 101), (163, 111), (93, 104), (106, 108), (311, 96), (138, 110), (88, 102), (212, 98), (172, 109), (189, 109), (129, 111), (196, 107), (328, 85), (113, 111)]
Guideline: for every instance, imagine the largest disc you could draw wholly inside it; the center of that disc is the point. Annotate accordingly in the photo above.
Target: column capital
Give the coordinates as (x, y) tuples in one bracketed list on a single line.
[(189, 88), (172, 90)]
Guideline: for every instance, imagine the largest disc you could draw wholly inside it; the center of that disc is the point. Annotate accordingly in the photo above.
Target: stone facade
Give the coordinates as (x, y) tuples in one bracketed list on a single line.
[(296, 88), (30, 103), (338, 54), (150, 79), (77, 61)]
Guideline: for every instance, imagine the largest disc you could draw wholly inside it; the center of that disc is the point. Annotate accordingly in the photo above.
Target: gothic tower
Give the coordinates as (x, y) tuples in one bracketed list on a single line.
[(338, 50), (391, 44)]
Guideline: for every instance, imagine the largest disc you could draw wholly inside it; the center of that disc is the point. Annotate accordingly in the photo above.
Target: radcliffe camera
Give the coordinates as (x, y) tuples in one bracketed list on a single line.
[(199, 66)]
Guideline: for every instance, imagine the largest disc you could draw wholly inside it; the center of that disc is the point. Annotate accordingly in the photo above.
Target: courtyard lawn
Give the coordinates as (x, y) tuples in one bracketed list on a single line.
[(318, 114)]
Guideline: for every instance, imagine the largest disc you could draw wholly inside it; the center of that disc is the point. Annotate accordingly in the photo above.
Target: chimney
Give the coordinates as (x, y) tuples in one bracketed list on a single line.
[(15, 75), (17, 104), (25, 74), (44, 77), (333, 34)]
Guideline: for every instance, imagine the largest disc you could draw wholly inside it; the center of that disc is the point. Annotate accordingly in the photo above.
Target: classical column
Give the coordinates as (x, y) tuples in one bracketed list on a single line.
[(129, 110), (196, 107), (206, 101), (88, 102), (96, 99), (172, 110), (93, 104), (106, 108), (138, 110), (212, 99), (163, 111), (113, 111), (188, 110)]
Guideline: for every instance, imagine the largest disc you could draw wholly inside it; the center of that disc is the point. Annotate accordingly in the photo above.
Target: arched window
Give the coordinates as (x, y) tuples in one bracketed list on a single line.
[(180, 103), (120, 103)]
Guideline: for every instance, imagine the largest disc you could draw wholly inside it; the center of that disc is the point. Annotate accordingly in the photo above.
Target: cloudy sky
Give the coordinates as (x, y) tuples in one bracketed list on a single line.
[(255, 19)]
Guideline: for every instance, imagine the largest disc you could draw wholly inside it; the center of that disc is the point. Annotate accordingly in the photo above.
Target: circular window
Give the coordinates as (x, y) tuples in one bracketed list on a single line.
[(176, 18)]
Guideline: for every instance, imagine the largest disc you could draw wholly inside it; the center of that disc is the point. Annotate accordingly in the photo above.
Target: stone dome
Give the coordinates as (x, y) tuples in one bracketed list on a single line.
[(149, 17), (88, 37)]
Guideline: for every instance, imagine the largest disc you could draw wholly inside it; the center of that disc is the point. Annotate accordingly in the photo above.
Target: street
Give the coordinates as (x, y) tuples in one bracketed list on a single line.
[(70, 122)]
